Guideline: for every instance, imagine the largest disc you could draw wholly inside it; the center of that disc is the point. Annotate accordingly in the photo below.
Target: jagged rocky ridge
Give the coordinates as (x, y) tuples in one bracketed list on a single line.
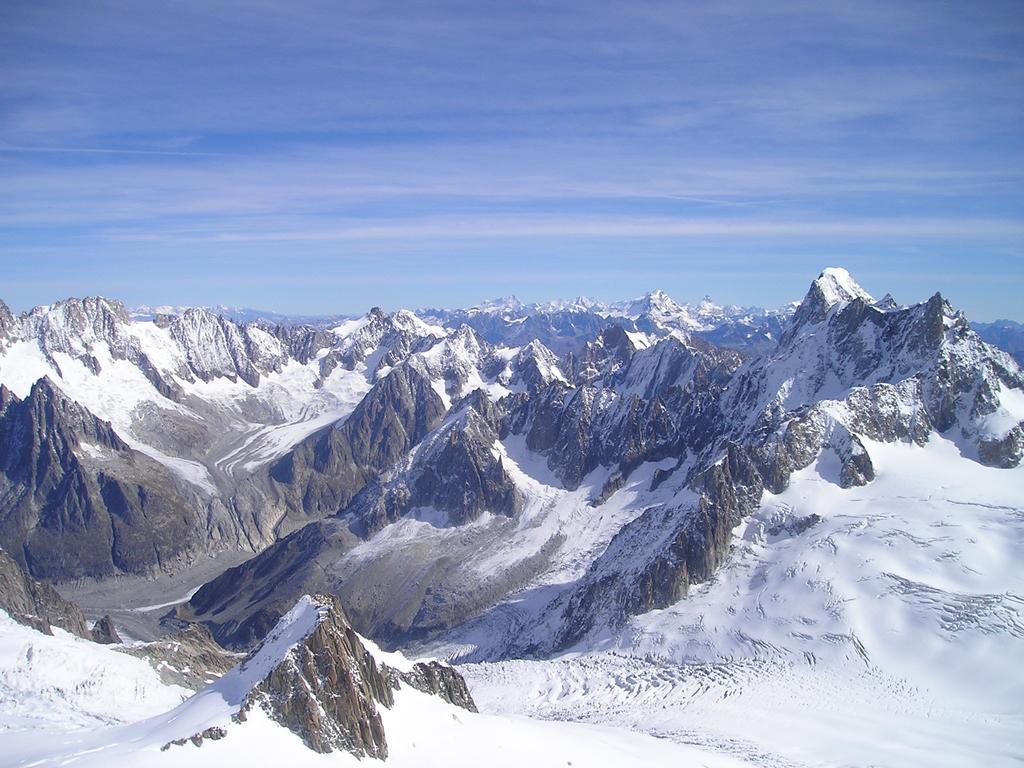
[(436, 472), (314, 675), (565, 326), (78, 501), (846, 371), (158, 482), (847, 368), (646, 405)]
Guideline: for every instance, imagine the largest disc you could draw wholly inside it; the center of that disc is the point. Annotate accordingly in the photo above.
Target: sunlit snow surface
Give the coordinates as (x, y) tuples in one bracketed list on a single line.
[(889, 633), (63, 682), (421, 730)]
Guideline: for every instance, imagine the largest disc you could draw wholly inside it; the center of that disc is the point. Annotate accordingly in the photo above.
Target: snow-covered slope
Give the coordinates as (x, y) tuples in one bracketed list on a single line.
[(63, 682), (51, 715), (875, 625)]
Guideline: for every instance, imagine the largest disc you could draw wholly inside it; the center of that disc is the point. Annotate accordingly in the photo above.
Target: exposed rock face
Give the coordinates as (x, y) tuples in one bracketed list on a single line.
[(652, 561), (832, 350), (605, 355), (566, 327), (1006, 451), (653, 403), (535, 367), (34, 604), (314, 675), (245, 602), (323, 473), (78, 327), (856, 468), (454, 471), (440, 680), (395, 337), (104, 632), (6, 321), (213, 733), (215, 347), (561, 330), (190, 658), (79, 501), (327, 689)]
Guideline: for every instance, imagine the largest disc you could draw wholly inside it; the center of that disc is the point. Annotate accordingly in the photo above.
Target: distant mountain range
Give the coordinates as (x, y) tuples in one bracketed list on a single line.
[(1008, 335), (730, 326)]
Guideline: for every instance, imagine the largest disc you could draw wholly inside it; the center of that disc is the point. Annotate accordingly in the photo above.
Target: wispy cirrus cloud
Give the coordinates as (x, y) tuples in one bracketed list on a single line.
[(528, 227), (248, 134)]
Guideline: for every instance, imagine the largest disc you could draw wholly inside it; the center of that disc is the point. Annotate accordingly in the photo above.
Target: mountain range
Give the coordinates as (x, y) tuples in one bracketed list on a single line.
[(664, 495)]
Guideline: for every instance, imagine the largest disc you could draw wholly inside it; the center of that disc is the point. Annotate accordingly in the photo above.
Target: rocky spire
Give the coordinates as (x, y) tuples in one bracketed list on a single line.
[(833, 286), (6, 320), (314, 675), (105, 633), (326, 687)]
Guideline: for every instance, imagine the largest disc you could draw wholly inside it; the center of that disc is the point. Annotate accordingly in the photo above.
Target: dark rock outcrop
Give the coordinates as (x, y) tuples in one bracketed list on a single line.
[(314, 676), (77, 501), (439, 680), (327, 689), (454, 471), (245, 602), (104, 632), (35, 604), (322, 474), (653, 560), (1006, 451), (6, 321), (650, 404)]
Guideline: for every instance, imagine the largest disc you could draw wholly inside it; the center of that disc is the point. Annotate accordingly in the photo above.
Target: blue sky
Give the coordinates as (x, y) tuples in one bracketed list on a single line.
[(327, 156)]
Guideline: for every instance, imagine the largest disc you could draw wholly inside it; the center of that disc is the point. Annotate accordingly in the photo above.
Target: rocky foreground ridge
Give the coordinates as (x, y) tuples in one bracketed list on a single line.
[(314, 675)]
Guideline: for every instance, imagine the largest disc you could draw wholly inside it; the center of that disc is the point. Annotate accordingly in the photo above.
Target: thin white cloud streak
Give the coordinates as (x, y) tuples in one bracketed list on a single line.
[(735, 64), (526, 227), (305, 188)]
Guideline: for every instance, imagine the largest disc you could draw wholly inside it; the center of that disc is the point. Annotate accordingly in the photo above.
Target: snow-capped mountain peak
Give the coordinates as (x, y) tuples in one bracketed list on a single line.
[(835, 285)]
